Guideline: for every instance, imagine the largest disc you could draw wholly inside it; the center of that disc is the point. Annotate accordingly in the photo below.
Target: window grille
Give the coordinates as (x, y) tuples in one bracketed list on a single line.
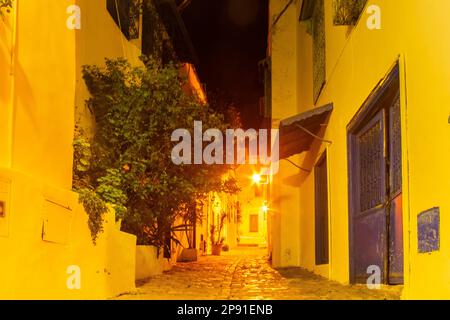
[(319, 52), (347, 12), (370, 167)]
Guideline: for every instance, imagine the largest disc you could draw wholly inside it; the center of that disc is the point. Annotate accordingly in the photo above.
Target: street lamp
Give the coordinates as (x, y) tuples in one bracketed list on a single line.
[(265, 208), (256, 178)]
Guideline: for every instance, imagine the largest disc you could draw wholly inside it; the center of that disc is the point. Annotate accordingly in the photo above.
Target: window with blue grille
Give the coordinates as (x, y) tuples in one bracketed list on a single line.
[(347, 12), (319, 52)]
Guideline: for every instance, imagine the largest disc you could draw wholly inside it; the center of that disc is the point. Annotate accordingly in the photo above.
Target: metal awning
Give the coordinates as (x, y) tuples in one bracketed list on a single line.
[(298, 132)]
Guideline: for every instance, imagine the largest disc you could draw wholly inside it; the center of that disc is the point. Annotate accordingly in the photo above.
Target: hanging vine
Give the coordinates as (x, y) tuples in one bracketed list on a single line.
[(106, 189)]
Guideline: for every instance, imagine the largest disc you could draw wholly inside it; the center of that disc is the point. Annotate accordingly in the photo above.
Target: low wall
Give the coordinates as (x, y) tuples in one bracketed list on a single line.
[(148, 263), (46, 244)]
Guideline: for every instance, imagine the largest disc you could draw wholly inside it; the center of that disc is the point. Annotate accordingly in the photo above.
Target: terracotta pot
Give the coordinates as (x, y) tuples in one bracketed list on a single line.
[(188, 255), (216, 249)]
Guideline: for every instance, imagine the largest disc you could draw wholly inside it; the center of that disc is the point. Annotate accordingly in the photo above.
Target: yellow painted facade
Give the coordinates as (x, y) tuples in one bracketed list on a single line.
[(413, 34), (252, 229), (238, 209), (44, 230), (216, 205), (150, 262)]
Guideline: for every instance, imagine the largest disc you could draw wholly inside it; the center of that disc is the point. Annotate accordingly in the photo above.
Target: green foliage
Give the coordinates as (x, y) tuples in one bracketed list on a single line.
[(82, 150), (95, 208), (136, 110), (109, 189), (216, 231), (108, 186), (82, 157), (230, 186)]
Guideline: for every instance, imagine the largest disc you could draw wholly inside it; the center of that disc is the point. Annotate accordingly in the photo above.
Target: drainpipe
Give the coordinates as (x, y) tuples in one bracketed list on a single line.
[(10, 119)]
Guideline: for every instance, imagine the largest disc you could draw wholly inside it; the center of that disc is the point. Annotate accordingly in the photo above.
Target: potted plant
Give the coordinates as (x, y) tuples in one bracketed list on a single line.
[(189, 254), (217, 242)]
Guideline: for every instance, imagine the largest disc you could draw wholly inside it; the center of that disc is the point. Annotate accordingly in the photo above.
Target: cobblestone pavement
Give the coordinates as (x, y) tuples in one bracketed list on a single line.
[(245, 274)]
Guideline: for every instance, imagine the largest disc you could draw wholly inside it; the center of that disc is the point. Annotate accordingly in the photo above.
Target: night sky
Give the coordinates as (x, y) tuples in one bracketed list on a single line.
[(230, 38)]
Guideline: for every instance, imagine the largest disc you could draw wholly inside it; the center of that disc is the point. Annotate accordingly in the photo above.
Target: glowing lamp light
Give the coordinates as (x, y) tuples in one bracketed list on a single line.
[(256, 178), (265, 208)]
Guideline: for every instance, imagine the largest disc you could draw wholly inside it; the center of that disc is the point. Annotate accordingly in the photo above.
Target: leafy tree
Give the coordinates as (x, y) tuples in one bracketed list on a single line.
[(136, 110)]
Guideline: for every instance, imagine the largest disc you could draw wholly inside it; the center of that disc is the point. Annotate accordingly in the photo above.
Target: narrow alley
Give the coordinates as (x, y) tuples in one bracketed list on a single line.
[(224, 150), (245, 274)]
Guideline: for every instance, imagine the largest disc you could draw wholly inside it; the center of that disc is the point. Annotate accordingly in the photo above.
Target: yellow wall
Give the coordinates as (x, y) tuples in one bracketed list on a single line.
[(45, 229), (213, 207), (229, 206), (231, 227), (45, 60), (6, 35), (99, 38), (44, 232), (43, 90), (285, 201), (357, 59), (149, 263), (251, 205)]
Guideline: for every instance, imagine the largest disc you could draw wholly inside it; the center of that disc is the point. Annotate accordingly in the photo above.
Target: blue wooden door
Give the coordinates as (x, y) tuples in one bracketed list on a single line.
[(395, 204), (376, 206), (369, 223)]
